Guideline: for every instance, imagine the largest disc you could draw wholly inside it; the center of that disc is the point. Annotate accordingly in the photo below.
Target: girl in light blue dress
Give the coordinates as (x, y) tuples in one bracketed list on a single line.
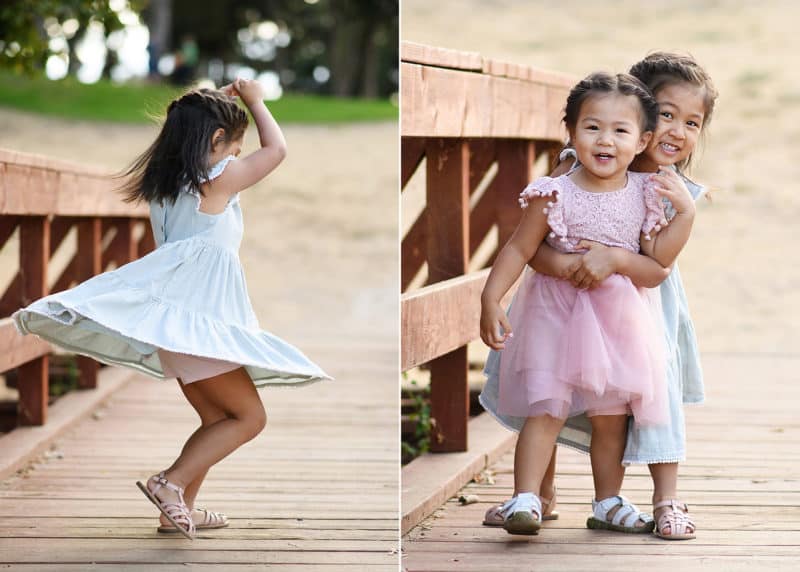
[(686, 98), (183, 311)]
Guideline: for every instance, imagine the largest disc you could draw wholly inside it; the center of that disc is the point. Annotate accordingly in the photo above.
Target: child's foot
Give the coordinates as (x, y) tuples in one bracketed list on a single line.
[(523, 515), (620, 515), (168, 497), (673, 520), (494, 514), (202, 519)]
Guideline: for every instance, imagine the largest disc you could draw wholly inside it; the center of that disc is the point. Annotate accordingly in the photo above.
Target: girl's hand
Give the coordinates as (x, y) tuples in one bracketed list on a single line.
[(492, 320), (250, 91), (668, 184), (597, 264), (566, 265), (229, 90)]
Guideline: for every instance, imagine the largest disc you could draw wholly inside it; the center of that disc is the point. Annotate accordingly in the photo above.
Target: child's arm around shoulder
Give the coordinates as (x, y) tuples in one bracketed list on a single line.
[(246, 172), (666, 243)]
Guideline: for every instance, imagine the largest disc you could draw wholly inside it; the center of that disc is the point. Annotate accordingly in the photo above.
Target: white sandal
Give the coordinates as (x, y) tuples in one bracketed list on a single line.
[(624, 519), (523, 514), (494, 515)]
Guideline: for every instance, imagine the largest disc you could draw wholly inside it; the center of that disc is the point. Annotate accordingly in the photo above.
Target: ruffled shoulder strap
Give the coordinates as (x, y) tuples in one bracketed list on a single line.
[(216, 170), (655, 218), (553, 187)]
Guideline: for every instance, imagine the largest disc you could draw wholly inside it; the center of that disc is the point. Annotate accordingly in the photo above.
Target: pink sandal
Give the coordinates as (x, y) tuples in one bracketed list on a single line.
[(211, 519), (676, 517), (178, 514)]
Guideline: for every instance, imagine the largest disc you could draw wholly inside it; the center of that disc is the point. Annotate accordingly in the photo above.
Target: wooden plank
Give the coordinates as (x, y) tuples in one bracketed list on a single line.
[(447, 215), (439, 318), (34, 255), (412, 151), (36, 185), (88, 260), (440, 57), (428, 481), (122, 248), (147, 243), (8, 224), (438, 102), (24, 444), (741, 489), (17, 349), (412, 250), (447, 208), (449, 401), (514, 171)]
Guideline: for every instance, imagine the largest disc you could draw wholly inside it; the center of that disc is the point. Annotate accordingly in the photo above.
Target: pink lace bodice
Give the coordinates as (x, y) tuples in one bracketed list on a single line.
[(615, 218)]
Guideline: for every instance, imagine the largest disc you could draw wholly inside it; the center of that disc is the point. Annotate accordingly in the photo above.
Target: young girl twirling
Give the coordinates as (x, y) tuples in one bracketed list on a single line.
[(569, 350), (183, 310), (686, 97)]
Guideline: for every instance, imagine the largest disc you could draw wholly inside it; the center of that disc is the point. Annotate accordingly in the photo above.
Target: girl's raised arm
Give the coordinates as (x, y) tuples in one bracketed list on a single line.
[(240, 175)]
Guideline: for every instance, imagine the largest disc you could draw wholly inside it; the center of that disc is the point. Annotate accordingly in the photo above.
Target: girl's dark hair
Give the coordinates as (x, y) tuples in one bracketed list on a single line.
[(661, 69), (604, 83), (179, 155)]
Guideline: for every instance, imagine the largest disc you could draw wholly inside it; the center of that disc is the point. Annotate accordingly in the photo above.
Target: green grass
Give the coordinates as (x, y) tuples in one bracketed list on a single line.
[(136, 103)]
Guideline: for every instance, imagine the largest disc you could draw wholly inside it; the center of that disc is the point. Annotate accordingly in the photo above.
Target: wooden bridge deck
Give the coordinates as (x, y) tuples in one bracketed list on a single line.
[(316, 491), (740, 481)]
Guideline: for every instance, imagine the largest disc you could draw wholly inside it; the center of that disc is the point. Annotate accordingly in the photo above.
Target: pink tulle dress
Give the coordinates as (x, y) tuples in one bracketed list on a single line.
[(597, 351)]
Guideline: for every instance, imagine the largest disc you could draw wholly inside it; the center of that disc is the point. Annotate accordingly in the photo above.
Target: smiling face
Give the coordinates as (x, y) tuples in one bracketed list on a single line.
[(680, 121), (608, 135)]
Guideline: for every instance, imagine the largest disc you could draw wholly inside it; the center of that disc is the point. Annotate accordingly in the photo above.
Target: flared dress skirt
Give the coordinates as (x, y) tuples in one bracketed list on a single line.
[(574, 351)]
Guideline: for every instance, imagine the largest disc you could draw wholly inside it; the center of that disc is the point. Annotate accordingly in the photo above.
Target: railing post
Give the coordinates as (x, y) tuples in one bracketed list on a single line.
[(33, 376), (447, 181), (88, 258), (515, 159)]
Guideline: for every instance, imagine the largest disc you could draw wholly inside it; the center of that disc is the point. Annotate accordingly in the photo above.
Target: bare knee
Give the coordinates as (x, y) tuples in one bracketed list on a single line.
[(208, 419), (254, 420)]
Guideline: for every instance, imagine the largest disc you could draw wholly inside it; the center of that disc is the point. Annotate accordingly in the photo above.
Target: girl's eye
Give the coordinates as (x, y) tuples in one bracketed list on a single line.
[(621, 130), (666, 115), (592, 127), (693, 124)]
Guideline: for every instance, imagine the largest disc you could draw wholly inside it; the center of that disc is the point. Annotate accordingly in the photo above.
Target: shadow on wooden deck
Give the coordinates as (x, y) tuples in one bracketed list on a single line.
[(740, 481)]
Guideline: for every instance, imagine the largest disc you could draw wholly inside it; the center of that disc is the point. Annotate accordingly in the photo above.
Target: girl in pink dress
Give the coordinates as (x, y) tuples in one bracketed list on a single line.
[(600, 351)]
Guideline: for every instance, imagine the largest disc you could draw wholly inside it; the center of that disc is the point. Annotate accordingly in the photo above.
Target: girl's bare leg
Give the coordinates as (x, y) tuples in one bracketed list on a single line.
[(234, 394), (534, 451), (548, 487), (665, 481), (609, 433), (209, 414)]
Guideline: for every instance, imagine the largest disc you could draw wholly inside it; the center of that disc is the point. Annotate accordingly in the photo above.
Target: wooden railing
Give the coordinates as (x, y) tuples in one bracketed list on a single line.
[(41, 201), (467, 117)]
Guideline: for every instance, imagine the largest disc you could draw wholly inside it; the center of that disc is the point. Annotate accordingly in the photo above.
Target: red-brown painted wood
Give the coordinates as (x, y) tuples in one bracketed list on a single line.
[(34, 255)]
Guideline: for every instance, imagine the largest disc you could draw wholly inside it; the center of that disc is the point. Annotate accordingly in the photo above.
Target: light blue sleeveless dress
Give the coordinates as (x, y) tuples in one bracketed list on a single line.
[(645, 445), (188, 296)]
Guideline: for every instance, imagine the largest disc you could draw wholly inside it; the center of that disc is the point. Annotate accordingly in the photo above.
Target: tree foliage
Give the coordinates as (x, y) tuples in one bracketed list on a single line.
[(24, 38)]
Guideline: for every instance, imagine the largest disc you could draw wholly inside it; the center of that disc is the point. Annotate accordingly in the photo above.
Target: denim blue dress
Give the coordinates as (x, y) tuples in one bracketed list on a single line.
[(187, 296), (645, 445)]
